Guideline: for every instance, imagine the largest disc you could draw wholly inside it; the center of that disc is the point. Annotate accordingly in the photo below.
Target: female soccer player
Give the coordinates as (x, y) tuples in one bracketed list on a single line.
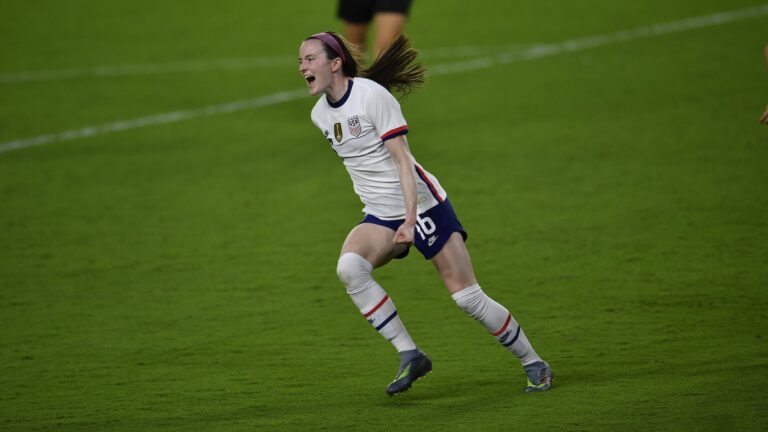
[(404, 204)]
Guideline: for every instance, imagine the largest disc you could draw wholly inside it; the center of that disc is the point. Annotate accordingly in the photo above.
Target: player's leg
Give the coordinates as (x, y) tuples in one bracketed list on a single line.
[(356, 33), (455, 268), (369, 246), (356, 15), (389, 25), (390, 17), (372, 242)]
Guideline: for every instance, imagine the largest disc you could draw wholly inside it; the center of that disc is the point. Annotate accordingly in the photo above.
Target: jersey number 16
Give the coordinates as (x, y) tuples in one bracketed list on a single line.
[(425, 226)]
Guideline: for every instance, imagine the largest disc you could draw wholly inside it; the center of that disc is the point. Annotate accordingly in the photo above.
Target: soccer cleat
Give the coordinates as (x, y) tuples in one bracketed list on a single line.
[(540, 376), (413, 370)]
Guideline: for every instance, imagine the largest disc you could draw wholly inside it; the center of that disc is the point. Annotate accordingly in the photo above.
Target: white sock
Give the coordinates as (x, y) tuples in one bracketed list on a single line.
[(497, 319), (372, 301)]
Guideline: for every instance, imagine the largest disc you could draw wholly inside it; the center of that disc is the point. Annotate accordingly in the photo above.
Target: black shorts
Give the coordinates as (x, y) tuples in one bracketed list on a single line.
[(361, 11), (433, 228)]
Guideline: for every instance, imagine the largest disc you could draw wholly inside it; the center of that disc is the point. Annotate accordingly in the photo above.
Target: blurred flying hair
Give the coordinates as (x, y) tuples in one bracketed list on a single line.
[(395, 68)]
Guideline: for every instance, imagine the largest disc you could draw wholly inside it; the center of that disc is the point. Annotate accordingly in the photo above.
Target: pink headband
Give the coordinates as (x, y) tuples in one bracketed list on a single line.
[(331, 42)]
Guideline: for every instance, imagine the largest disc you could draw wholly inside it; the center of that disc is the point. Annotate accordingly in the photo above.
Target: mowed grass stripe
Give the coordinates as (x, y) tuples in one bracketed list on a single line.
[(440, 69)]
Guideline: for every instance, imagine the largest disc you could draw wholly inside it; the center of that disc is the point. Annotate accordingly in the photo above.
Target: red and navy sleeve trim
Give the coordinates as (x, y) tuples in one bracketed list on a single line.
[(402, 130)]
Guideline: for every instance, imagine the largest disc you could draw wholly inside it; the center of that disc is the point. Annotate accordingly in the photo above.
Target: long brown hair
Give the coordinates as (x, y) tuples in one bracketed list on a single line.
[(395, 68)]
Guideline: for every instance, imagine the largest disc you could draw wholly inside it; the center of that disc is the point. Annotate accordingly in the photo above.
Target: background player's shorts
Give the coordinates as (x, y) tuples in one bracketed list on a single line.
[(361, 11), (433, 228)]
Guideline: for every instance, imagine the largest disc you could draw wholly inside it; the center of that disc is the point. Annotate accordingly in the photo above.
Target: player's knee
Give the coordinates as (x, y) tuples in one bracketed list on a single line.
[(471, 300), (354, 271)]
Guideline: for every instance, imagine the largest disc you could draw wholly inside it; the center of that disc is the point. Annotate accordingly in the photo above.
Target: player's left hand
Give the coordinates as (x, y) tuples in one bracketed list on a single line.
[(764, 118), (404, 234)]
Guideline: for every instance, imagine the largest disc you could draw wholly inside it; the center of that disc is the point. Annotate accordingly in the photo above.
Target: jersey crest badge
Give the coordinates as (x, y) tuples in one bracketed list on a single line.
[(355, 128), (337, 131)]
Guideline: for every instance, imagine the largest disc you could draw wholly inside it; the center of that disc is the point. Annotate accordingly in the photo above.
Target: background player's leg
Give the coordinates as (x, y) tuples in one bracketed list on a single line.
[(356, 15), (356, 33), (389, 25)]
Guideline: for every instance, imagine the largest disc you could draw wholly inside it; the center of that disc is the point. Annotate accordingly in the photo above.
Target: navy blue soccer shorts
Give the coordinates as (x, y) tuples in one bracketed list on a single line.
[(433, 228), (362, 11)]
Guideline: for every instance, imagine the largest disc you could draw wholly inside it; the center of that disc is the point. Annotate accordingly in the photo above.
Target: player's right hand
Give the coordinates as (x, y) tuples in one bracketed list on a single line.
[(404, 234)]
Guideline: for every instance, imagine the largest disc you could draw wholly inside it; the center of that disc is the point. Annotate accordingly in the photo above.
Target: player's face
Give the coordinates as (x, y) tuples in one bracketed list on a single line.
[(315, 67)]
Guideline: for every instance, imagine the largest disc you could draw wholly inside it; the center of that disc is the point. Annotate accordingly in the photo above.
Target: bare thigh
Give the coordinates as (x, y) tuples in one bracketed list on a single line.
[(356, 33), (372, 242), (454, 265), (389, 25)]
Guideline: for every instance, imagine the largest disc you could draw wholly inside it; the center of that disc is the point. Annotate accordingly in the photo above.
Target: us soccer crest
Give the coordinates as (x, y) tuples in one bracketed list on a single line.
[(337, 131), (354, 126)]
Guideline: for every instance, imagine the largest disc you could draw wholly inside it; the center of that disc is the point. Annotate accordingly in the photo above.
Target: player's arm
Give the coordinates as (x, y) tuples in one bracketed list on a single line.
[(398, 148)]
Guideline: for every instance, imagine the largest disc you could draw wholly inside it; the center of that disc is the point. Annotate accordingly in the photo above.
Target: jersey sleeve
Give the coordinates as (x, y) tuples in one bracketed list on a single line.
[(384, 111), (314, 117)]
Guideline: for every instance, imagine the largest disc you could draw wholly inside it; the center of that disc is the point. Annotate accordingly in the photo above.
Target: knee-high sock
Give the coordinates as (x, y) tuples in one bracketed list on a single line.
[(497, 319), (372, 301)]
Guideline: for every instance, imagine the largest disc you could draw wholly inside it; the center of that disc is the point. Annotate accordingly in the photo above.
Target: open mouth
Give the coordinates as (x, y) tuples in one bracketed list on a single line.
[(310, 79)]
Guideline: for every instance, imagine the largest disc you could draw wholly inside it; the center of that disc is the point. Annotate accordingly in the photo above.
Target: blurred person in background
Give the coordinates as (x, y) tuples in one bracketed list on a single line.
[(389, 16)]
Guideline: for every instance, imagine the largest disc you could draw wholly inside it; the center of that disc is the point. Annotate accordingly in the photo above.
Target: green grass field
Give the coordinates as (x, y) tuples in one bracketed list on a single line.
[(181, 276)]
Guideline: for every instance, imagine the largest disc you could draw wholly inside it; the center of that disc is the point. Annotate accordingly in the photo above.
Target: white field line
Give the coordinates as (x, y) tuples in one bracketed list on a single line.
[(157, 119), (145, 69), (105, 71), (547, 50), (441, 69)]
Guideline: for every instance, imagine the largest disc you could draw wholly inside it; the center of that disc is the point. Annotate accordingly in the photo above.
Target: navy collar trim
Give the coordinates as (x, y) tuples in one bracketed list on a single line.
[(343, 99)]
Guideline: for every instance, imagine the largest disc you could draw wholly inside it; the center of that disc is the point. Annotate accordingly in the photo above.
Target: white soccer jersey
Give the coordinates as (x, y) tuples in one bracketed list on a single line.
[(356, 127)]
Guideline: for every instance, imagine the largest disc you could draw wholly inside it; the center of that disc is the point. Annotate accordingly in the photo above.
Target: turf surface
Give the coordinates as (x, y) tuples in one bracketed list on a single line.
[(181, 276)]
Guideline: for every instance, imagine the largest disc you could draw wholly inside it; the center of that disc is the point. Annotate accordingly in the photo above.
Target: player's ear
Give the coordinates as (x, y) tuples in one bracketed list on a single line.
[(336, 64)]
